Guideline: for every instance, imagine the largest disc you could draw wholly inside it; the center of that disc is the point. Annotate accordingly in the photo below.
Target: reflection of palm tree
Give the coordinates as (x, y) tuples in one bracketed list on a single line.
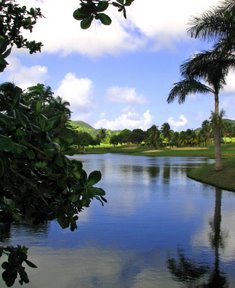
[(153, 171), (166, 173), (217, 279), (188, 272)]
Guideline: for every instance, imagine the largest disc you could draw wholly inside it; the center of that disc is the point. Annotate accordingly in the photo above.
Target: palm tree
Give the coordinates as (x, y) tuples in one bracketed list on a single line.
[(206, 131), (217, 24), (166, 131), (152, 136), (212, 68)]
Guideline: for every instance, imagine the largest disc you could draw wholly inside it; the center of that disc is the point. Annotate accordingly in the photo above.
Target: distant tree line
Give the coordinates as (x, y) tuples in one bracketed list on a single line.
[(152, 137)]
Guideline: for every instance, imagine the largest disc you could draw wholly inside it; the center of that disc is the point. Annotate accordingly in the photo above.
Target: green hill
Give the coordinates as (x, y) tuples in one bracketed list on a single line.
[(82, 125)]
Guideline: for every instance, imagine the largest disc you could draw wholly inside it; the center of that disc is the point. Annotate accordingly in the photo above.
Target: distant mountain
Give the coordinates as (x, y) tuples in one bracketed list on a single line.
[(229, 121), (83, 125)]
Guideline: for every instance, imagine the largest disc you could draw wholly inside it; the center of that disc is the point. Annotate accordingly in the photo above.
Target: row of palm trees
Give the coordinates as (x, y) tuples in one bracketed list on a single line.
[(206, 72)]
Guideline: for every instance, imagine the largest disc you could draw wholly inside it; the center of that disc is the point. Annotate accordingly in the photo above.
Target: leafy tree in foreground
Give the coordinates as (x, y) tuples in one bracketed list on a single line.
[(37, 181), (15, 18)]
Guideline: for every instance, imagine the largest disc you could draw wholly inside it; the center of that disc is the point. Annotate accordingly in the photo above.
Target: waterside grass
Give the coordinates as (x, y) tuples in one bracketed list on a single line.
[(224, 179), (228, 150)]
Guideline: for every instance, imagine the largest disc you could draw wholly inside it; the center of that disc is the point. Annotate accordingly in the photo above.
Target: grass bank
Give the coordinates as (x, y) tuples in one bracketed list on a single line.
[(228, 150), (224, 179)]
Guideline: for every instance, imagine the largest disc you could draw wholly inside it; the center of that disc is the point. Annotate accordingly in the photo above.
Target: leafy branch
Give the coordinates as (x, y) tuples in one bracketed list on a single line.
[(94, 9)]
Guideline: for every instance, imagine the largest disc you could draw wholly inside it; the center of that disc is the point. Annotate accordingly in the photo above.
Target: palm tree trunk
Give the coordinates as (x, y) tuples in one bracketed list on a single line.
[(217, 136)]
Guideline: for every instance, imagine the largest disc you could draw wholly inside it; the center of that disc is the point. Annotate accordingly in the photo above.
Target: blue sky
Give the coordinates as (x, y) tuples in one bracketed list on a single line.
[(119, 76)]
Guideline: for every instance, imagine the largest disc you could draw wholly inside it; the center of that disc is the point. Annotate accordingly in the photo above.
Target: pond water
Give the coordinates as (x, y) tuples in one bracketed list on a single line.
[(158, 229)]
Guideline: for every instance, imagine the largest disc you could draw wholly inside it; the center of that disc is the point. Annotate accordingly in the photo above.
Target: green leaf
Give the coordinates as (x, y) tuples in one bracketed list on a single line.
[(23, 276), (9, 277), (5, 144), (97, 191), (7, 53), (30, 154), (79, 15), (94, 178), (74, 197), (128, 2), (104, 18), (102, 6), (3, 45), (86, 23), (30, 264), (38, 107), (115, 4)]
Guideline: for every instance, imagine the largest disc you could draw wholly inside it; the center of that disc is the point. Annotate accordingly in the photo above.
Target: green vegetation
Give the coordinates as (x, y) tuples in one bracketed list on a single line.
[(38, 182), (153, 138), (228, 150), (222, 179)]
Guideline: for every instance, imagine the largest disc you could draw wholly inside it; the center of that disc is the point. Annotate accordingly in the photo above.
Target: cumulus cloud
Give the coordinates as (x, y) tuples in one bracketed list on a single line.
[(228, 104), (175, 124), (77, 91), (164, 18), (201, 238), (25, 76), (60, 32), (124, 95), (154, 21), (230, 87), (128, 119)]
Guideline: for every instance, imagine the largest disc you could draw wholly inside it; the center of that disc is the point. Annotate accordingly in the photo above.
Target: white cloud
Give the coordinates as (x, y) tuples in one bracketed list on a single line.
[(24, 76), (201, 238), (159, 21), (175, 124), (124, 95), (228, 104), (60, 32), (164, 21), (78, 92), (230, 87), (128, 119)]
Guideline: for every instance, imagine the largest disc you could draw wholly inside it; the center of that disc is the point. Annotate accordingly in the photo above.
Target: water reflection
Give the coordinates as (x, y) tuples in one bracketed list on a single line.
[(217, 278), (132, 242), (193, 274)]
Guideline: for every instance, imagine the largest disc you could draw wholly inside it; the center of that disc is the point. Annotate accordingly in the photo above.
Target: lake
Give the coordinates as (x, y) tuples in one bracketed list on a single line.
[(158, 229)]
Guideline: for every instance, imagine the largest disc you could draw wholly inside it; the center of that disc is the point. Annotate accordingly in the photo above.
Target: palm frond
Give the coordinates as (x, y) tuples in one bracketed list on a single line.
[(185, 87), (216, 23), (211, 66)]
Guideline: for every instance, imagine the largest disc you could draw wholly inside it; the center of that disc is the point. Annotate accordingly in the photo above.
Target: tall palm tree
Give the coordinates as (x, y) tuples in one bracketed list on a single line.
[(217, 24), (212, 68)]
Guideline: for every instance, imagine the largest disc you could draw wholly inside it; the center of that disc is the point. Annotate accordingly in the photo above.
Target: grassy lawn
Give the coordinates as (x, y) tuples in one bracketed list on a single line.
[(224, 179), (228, 150)]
